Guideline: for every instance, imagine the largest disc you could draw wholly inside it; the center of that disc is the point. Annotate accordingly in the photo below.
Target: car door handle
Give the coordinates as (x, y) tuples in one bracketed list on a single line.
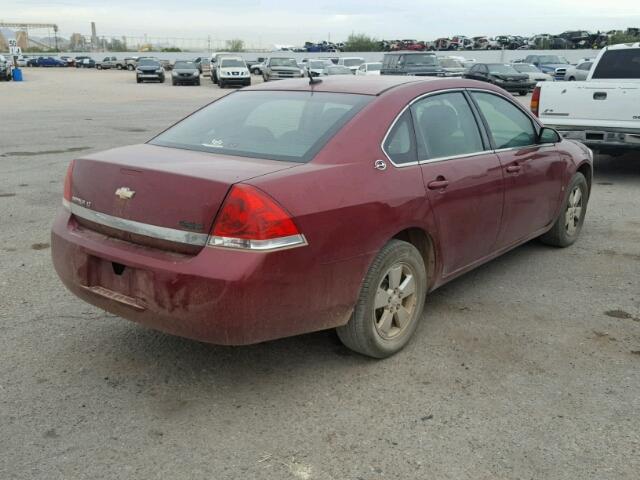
[(439, 184), (513, 168), (600, 96)]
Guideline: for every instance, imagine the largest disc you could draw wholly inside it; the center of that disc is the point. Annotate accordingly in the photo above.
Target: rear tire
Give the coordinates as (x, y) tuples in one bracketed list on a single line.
[(567, 227), (130, 67), (572, 79), (390, 303), (523, 93)]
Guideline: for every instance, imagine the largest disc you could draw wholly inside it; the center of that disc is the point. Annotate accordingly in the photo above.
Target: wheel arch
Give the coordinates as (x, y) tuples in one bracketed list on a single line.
[(424, 243), (585, 169)]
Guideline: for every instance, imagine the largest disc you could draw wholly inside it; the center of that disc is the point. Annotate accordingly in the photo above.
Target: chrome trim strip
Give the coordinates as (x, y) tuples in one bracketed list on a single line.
[(269, 245), (131, 226), (451, 157)]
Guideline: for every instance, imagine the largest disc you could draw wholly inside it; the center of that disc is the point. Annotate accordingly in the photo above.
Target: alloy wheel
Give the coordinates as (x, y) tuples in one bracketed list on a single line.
[(574, 211), (395, 301)]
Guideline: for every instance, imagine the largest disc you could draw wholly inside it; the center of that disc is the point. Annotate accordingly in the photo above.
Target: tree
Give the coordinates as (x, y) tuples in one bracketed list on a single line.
[(361, 43), (235, 45), (621, 37)]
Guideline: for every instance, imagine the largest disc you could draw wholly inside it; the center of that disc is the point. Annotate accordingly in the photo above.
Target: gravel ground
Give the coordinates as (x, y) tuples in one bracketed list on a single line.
[(526, 368)]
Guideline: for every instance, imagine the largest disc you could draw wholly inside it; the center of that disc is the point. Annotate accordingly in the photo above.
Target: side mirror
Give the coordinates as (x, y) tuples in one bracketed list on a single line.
[(548, 135)]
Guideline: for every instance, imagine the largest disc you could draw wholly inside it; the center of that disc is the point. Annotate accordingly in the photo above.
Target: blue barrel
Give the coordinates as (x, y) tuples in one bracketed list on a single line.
[(17, 75)]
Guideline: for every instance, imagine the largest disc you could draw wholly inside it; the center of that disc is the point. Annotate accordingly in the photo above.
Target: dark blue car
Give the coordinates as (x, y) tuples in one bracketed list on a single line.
[(46, 62)]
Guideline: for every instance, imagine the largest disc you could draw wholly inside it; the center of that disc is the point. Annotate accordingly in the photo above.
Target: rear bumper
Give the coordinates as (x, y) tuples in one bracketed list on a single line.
[(598, 137), (219, 296)]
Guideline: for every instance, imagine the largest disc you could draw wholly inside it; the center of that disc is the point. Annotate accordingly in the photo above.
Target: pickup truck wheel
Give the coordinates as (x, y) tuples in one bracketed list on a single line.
[(390, 303), (572, 79), (566, 229), (99, 67), (138, 80), (130, 68)]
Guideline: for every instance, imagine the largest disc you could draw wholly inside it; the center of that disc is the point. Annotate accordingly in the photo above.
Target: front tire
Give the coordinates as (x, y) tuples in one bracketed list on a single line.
[(130, 67), (390, 303), (566, 229)]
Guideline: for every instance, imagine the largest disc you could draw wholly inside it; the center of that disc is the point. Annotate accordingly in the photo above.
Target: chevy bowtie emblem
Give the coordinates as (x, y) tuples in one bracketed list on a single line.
[(125, 193)]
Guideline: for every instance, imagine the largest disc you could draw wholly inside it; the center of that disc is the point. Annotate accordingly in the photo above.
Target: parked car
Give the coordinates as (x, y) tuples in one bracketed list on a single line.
[(233, 71), (554, 65), (257, 68), (77, 61), (247, 248), (578, 72), (200, 61), (149, 69), (351, 62), (46, 62), (215, 58), (111, 62), (452, 66), (534, 73), (503, 75), (21, 61), (369, 68), (278, 68), (86, 62), (5, 69), (601, 112), (251, 63), (70, 61), (185, 72), (315, 67), (336, 70), (411, 63)]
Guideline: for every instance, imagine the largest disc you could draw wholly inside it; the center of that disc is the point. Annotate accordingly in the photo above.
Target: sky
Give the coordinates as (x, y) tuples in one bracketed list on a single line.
[(291, 22)]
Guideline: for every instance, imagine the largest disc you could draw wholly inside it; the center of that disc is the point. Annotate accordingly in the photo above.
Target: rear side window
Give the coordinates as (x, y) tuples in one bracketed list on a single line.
[(509, 126), (445, 127), (289, 126), (619, 64), (400, 143)]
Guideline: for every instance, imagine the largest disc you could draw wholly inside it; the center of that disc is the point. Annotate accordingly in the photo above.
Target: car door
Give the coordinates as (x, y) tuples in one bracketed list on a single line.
[(462, 176), (533, 172)]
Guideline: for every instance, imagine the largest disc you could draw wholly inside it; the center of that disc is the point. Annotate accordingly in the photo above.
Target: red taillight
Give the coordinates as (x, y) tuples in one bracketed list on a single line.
[(67, 182), (251, 219), (535, 101)]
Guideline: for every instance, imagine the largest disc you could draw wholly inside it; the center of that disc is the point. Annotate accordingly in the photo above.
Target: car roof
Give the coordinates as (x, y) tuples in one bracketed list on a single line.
[(409, 52), (363, 85)]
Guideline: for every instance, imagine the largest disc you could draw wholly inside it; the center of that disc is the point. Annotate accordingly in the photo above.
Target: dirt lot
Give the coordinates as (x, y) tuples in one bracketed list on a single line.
[(528, 367)]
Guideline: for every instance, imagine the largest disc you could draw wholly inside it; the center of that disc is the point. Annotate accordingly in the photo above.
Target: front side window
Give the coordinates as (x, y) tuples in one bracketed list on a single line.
[(509, 126), (400, 143), (288, 126), (585, 66), (445, 126)]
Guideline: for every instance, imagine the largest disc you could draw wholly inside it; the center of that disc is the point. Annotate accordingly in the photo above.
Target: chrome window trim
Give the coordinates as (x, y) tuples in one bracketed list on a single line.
[(138, 228), (428, 160)]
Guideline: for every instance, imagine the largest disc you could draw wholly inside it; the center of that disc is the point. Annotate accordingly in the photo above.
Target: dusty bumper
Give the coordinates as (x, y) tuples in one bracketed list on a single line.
[(217, 296)]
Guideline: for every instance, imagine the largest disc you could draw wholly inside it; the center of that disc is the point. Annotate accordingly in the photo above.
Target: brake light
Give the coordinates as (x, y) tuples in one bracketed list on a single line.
[(67, 182), (252, 220), (535, 101)]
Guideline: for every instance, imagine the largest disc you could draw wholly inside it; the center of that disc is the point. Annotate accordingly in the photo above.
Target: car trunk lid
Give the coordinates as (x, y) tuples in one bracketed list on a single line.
[(158, 196)]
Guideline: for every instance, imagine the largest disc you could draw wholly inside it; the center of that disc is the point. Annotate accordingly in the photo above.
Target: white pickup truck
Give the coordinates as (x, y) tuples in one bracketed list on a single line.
[(602, 112)]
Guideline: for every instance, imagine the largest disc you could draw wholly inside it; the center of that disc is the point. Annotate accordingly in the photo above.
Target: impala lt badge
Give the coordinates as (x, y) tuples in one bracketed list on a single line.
[(125, 193)]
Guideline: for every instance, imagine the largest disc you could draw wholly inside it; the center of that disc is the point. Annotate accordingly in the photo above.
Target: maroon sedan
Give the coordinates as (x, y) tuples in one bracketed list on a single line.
[(292, 207)]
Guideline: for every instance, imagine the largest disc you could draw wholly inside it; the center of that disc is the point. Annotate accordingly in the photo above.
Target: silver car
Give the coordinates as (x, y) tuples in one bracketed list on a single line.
[(578, 72), (535, 74)]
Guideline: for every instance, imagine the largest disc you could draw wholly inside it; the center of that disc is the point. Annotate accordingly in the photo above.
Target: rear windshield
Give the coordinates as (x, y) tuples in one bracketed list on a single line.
[(523, 67), (352, 62), (419, 59), (619, 64), (550, 59), (289, 126), (501, 68)]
